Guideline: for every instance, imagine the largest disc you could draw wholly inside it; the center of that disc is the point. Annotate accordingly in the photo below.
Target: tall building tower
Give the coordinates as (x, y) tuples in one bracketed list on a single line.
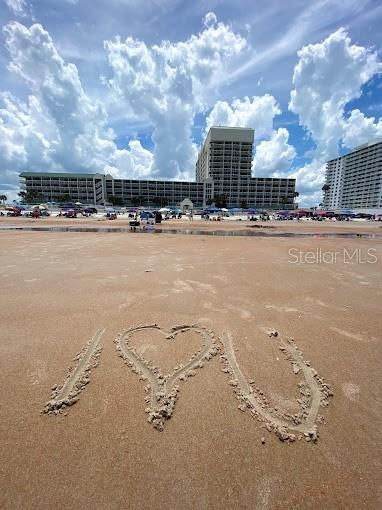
[(333, 179), (226, 160), (355, 180)]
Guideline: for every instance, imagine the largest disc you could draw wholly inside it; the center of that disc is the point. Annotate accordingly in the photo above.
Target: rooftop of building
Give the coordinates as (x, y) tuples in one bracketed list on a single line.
[(358, 148), (367, 144), (110, 177), (55, 174), (232, 127), (229, 134)]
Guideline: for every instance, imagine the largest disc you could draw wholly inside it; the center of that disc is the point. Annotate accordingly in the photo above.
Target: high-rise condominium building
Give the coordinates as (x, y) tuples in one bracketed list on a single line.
[(225, 165), (223, 168), (355, 180), (225, 162)]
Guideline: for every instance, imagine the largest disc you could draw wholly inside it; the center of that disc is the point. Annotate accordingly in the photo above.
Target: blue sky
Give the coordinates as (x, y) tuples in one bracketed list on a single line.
[(115, 87)]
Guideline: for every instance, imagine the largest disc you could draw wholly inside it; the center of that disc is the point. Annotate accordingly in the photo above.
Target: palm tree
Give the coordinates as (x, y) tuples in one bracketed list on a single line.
[(160, 201), (31, 197), (64, 198), (118, 201), (139, 200), (284, 200), (3, 198), (296, 195), (325, 188), (220, 200)]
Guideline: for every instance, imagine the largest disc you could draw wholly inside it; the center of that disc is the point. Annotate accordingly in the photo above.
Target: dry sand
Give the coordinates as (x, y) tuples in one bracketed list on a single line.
[(228, 376)]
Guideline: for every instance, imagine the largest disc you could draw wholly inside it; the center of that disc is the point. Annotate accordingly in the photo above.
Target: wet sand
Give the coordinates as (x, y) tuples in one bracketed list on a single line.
[(270, 370), (200, 224)]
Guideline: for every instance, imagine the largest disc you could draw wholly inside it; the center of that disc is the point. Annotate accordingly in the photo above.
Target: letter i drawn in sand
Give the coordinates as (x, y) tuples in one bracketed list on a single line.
[(65, 395)]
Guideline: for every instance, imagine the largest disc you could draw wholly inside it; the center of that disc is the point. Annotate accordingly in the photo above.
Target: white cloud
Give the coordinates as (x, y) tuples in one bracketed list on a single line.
[(162, 87), (274, 157), (309, 181), (60, 127), (168, 84), (210, 19), (313, 198), (359, 129), (134, 163), (327, 76), (18, 7), (257, 113), (280, 29), (22, 144)]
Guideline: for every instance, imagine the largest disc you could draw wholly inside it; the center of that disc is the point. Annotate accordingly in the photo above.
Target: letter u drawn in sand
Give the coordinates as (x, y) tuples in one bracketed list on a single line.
[(314, 394)]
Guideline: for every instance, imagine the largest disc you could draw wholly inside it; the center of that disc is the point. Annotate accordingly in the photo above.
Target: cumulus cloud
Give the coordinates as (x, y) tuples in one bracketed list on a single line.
[(257, 113), (312, 198), (327, 76), (310, 177), (167, 84), (210, 19), (59, 127), (133, 163), (18, 7), (359, 129), (274, 157)]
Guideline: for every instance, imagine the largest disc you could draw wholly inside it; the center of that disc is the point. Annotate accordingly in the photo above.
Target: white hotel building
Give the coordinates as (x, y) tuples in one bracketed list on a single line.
[(355, 180), (223, 167)]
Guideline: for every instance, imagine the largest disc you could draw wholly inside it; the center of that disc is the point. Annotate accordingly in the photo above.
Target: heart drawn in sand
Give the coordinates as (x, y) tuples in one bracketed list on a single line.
[(164, 389)]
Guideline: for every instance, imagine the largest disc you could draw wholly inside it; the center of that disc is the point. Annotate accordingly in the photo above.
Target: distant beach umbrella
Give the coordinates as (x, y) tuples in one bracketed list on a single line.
[(324, 213)]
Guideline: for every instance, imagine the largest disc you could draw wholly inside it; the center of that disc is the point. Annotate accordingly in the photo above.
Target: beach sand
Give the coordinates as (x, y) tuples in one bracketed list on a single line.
[(224, 314)]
